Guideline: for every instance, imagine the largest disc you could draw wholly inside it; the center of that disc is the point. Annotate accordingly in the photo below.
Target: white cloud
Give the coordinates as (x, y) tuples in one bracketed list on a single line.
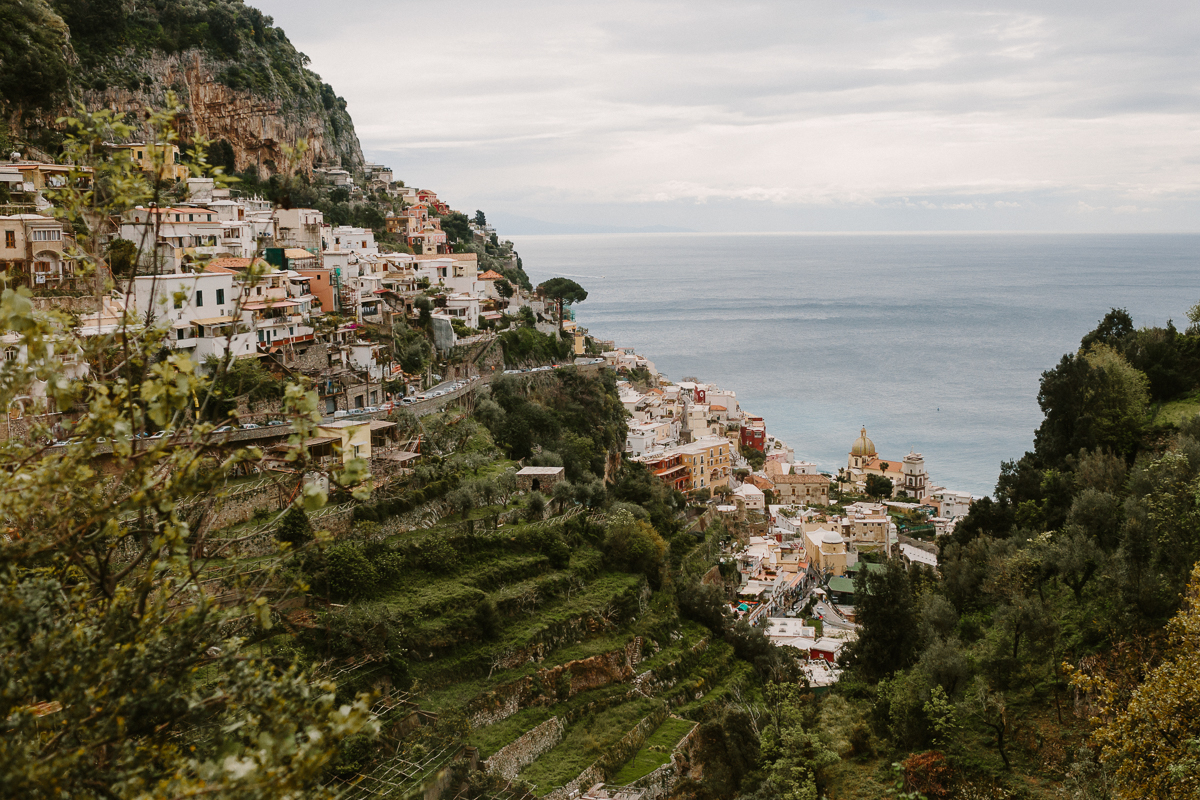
[(932, 104)]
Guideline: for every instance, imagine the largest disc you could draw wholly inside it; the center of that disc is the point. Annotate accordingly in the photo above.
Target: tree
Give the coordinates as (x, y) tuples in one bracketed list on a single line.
[(535, 507), (990, 707), (562, 290), (756, 458), (126, 672), (563, 493), (879, 487), (504, 288), (887, 620), (480, 219), (1094, 400), (633, 545), (1153, 740), (294, 527)]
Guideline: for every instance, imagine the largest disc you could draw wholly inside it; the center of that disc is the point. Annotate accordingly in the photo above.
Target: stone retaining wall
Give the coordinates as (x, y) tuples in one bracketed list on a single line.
[(520, 753), (613, 759), (659, 783), (615, 666)]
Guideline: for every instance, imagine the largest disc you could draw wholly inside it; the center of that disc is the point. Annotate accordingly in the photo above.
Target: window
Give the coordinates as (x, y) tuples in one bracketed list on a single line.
[(180, 334), (260, 336), (10, 354), (10, 239), (178, 300), (46, 236), (199, 298), (191, 217), (220, 297), (139, 155)]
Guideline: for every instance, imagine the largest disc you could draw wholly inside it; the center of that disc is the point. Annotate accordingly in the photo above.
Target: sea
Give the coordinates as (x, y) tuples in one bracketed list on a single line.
[(933, 342)]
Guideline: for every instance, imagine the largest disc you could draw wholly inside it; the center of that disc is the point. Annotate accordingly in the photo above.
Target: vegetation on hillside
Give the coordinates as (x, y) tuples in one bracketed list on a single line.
[(1048, 614)]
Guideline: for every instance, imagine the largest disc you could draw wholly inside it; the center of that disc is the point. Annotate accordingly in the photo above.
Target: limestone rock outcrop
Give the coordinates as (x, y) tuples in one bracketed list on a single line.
[(256, 127)]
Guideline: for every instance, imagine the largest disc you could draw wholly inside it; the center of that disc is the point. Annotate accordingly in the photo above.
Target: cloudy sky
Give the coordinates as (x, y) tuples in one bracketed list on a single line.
[(776, 116)]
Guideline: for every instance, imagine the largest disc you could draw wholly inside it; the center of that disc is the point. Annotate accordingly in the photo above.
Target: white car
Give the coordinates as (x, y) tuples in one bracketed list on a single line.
[(250, 426), (370, 410), (408, 401), (341, 412)]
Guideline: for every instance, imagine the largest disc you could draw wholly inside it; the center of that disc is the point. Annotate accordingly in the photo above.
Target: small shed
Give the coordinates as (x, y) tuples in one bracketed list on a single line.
[(538, 479)]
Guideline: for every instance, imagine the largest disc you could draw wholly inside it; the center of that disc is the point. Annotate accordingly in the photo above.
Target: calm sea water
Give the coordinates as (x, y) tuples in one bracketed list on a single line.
[(935, 342)]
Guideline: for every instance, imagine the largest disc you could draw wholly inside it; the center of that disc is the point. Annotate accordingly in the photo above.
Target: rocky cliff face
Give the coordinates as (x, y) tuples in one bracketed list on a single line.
[(238, 76), (257, 127)]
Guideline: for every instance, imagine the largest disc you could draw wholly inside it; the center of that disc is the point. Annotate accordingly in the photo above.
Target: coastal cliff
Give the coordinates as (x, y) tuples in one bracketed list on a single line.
[(256, 125), (237, 76)]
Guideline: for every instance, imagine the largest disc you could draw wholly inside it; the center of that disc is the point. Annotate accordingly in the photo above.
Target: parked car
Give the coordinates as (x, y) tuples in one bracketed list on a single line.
[(370, 410), (250, 426), (408, 401), (224, 429), (275, 422), (341, 412), (421, 397)]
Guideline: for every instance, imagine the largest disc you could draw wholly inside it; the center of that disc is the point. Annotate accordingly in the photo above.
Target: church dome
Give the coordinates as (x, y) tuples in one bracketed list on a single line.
[(862, 445)]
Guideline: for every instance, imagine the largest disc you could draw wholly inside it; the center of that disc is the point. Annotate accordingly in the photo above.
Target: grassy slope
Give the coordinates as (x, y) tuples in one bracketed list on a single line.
[(655, 752)]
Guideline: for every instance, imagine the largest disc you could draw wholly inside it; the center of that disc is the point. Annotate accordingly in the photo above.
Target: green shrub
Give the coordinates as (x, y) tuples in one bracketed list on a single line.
[(294, 528), (349, 573)]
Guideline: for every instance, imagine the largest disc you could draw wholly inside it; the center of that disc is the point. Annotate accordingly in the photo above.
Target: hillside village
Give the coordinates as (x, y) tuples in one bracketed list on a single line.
[(366, 316)]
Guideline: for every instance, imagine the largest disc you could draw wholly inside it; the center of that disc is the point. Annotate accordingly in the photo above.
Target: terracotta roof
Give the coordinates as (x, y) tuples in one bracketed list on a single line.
[(814, 479), (228, 264), (877, 463), (490, 275), (718, 408)]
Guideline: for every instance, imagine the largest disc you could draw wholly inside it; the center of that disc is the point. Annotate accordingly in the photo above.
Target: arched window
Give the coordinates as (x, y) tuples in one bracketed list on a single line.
[(10, 353)]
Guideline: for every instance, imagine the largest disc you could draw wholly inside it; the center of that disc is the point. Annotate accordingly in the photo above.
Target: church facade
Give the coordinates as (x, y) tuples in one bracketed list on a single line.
[(908, 476)]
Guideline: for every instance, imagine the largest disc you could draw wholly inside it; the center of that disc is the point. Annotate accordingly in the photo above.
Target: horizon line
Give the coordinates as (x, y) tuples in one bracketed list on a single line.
[(870, 233)]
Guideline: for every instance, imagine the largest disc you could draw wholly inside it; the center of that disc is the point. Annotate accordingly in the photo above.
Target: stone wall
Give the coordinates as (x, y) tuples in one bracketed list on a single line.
[(613, 758), (659, 783), (520, 753), (615, 666), (87, 304)]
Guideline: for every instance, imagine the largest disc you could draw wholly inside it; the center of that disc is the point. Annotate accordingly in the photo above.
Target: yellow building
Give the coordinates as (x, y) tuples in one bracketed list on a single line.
[(826, 551), (162, 157), (708, 461), (354, 438)]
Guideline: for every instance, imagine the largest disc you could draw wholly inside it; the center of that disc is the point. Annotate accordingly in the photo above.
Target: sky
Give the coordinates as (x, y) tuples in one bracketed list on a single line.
[(775, 116)]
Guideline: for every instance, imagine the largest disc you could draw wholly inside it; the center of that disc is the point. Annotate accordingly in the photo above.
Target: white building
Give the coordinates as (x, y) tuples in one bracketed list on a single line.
[(300, 227), (953, 504)]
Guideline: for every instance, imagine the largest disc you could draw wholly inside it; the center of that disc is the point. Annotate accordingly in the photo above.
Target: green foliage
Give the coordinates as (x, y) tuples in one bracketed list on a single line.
[(633, 546), (122, 256), (243, 377), (530, 346), (348, 573), (294, 528), (33, 55), (126, 668), (563, 290), (455, 224), (885, 608), (879, 486), (755, 456)]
